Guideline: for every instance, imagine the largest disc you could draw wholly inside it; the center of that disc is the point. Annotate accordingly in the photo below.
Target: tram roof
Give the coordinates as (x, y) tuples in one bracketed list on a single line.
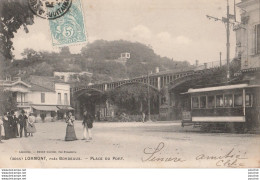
[(219, 88)]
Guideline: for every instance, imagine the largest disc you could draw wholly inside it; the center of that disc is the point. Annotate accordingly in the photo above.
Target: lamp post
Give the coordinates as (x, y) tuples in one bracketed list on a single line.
[(148, 92)]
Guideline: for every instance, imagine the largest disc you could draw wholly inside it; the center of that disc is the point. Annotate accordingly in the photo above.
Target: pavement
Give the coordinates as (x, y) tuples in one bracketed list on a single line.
[(131, 144)]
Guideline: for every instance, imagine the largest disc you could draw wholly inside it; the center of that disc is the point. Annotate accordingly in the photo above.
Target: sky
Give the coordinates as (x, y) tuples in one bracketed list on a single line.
[(177, 29)]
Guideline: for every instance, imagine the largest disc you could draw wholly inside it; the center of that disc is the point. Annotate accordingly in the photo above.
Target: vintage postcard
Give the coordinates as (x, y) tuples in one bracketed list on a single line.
[(129, 84)]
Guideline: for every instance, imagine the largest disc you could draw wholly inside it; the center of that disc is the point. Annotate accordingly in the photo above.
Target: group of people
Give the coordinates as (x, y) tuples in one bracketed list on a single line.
[(87, 123), (14, 126)]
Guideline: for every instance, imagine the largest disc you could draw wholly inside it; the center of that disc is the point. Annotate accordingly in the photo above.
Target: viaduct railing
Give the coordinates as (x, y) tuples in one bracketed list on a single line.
[(155, 80)]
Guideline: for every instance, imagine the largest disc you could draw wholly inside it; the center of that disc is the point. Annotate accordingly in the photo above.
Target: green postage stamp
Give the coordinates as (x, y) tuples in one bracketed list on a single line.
[(69, 28)]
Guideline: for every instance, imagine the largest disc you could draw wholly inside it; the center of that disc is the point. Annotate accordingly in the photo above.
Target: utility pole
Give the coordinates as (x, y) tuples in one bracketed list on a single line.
[(148, 94), (220, 62), (227, 21), (228, 43)]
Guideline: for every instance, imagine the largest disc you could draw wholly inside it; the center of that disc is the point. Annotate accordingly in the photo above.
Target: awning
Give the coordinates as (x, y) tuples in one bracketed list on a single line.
[(65, 108), (45, 108)]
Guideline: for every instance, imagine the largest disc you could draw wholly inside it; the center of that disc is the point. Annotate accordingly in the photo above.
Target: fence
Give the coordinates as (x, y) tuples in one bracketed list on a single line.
[(130, 118), (210, 65)]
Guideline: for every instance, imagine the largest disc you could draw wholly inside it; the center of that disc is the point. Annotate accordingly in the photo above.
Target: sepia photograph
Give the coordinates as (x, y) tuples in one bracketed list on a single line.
[(130, 84)]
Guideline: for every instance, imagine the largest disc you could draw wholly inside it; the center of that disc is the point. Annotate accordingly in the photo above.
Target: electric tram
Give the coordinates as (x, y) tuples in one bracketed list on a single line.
[(229, 107)]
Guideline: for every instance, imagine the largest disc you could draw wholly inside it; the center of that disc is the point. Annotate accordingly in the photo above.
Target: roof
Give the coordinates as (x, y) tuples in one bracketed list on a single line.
[(13, 83), (217, 88), (44, 82), (245, 3), (66, 108), (35, 87)]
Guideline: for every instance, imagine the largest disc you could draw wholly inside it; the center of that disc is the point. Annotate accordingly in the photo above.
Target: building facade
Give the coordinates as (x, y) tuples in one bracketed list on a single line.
[(248, 34), (46, 97)]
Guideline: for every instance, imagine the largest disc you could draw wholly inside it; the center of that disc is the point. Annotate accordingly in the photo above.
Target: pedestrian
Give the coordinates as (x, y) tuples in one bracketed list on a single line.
[(6, 124), (98, 115), (1, 123), (87, 125), (23, 123), (70, 131), (13, 120), (30, 125), (143, 117)]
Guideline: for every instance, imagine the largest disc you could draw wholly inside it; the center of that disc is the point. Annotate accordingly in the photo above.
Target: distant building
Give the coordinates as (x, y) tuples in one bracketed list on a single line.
[(67, 76), (125, 55), (248, 34), (122, 59)]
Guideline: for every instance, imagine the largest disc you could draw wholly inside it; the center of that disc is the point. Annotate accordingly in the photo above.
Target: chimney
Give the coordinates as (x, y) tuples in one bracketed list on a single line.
[(8, 78), (197, 62), (157, 70)]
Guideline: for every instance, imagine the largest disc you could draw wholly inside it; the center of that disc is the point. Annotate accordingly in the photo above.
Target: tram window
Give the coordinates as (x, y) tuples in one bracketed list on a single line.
[(195, 102), (211, 101), (202, 101), (228, 100), (219, 100), (249, 99), (238, 100)]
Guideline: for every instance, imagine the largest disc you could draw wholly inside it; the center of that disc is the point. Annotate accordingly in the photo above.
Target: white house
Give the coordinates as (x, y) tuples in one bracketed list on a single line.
[(45, 96)]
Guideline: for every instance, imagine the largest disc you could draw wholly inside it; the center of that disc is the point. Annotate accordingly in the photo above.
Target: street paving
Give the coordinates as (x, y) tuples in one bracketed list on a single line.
[(131, 144)]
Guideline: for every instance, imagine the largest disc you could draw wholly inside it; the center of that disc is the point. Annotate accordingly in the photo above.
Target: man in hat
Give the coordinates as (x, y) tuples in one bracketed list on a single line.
[(87, 125), (23, 123), (13, 125)]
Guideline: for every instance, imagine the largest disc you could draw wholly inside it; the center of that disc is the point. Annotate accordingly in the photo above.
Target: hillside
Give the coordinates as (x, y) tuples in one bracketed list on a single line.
[(100, 57)]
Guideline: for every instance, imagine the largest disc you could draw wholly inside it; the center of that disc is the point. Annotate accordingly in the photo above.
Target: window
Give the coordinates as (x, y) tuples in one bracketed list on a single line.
[(219, 100), (257, 31), (211, 101), (65, 98), (228, 100), (59, 98), (203, 102), (238, 100), (20, 98), (42, 97), (195, 102), (249, 100)]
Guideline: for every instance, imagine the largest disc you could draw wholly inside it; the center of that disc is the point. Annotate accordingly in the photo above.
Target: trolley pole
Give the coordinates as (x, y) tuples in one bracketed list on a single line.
[(228, 43), (227, 21), (220, 62)]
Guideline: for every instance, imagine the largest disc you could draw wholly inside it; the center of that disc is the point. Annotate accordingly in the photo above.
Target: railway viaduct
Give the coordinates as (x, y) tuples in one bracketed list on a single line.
[(172, 84)]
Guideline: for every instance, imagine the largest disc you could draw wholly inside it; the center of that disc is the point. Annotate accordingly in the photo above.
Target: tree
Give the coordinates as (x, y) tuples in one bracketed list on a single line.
[(13, 15), (111, 68), (133, 98), (65, 51), (31, 54), (7, 101), (44, 69)]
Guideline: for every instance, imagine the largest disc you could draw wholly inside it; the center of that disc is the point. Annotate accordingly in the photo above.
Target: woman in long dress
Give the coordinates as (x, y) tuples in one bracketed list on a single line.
[(70, 131), (30, 125)]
